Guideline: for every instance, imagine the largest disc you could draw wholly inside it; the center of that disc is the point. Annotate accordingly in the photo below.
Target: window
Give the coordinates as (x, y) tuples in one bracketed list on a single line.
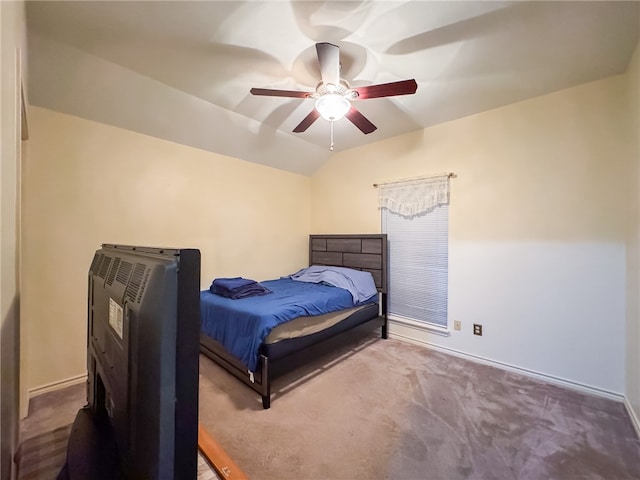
[(418, 252)]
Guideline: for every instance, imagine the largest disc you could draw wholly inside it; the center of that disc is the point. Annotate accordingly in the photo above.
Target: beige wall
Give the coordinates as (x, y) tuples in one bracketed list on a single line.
[(524, 171), (87, 183), (13, 55), (632, 377), (537, 227)]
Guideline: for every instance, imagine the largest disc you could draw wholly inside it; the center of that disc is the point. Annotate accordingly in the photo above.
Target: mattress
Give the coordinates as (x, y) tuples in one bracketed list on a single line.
[(341, 322), (302, 326), (241, 326)]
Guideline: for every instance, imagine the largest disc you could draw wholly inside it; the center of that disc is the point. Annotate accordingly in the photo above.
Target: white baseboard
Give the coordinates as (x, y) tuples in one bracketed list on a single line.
[(52, 387), (563, 382), (632, 415)]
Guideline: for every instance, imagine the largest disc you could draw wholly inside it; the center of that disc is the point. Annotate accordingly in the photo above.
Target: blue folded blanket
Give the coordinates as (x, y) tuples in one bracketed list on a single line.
[(237, 287)]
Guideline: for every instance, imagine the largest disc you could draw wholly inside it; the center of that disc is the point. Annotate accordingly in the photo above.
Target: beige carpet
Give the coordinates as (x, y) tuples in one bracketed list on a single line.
[(396, 411), (385, 410)]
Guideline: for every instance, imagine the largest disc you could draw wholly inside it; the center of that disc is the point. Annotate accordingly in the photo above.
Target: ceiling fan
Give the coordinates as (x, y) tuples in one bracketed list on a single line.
[(333, 96)]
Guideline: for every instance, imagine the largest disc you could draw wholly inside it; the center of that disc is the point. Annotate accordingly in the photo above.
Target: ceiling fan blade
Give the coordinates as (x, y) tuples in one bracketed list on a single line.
[(308, 120), (279, 93), (360, 121), (329, 60), (403, 87)]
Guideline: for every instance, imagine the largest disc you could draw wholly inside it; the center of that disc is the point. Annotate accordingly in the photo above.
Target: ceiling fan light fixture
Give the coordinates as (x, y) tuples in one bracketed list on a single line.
[(332, 106)]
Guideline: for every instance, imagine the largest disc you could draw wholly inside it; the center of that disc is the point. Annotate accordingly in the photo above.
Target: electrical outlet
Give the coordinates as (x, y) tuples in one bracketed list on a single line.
[(477, 329), (457, 325)]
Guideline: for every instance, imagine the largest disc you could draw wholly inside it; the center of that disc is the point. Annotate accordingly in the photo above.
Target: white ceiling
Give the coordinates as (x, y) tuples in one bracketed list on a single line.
[(182, 70)]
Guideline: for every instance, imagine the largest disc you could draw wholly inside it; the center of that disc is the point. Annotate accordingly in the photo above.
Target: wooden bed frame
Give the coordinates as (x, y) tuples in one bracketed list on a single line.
[(366, 252)]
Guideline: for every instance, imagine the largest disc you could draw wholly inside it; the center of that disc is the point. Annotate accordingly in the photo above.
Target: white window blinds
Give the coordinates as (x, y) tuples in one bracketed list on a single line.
[(418, 250)]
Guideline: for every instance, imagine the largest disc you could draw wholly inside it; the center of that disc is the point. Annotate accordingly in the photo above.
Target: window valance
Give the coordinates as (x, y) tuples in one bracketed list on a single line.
[(414, 196)]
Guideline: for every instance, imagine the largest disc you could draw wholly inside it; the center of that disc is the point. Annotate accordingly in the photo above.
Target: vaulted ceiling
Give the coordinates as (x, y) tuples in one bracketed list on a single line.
[(182, 70)]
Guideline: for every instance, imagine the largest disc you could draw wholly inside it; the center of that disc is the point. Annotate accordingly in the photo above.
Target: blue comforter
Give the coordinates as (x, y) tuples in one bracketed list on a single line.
[(242, 325)]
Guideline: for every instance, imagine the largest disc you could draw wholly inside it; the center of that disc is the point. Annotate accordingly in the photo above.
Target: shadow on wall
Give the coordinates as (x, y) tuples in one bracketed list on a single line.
[(411, 142), (9, 393)]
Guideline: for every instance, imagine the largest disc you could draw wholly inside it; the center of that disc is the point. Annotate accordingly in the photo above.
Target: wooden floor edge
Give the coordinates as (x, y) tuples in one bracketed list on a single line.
[(217, 457)]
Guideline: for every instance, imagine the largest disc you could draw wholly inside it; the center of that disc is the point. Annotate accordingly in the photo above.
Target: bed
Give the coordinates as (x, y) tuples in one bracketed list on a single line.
[(297, 341)]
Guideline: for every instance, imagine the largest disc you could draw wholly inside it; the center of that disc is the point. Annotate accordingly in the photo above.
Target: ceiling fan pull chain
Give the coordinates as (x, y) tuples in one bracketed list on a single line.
[(331, 148)]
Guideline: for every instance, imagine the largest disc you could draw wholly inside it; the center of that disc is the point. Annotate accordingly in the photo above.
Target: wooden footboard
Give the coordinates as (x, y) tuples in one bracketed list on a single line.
[(258, 381)]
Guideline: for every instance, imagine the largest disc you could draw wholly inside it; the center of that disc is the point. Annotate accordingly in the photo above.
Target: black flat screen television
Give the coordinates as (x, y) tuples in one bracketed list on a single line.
[(142, 356)]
